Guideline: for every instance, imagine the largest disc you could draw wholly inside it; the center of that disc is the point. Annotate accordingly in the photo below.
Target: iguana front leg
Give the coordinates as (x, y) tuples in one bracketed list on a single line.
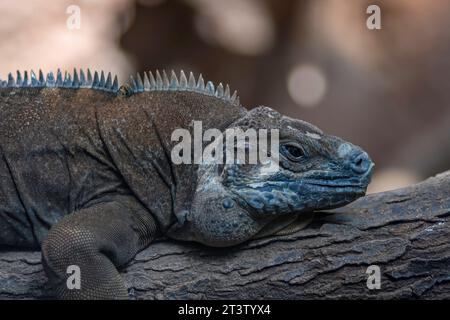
[(98, 240)]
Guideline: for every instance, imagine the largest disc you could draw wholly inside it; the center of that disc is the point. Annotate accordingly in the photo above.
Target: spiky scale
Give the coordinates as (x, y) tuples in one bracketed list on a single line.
[(11, 82), (25, 79), (34, 81), (210, 88), (50, 79), (41, 78), (59, 80), (19, 79), (76, 80), (133, 84), (67, 80), (82, 79), (234, 96), (115, 85), (183, 81), (139, 83), (166, 82), (226, 94), (152, 81), (147, 85), (159, 81), (96, 81), (89, 78), (173, 82), (200, 84), (101, 84), (219, 91), (108, 82), (191, 81)]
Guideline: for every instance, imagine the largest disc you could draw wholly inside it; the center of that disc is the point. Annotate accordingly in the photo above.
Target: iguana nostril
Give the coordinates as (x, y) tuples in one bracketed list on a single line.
[(361, 163)]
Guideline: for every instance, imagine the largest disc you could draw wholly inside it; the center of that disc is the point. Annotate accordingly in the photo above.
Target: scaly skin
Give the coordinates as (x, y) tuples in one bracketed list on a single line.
[(87, 176)]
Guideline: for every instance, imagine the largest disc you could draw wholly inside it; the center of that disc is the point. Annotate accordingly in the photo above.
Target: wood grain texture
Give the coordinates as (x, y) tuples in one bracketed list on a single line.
[(405, 232)]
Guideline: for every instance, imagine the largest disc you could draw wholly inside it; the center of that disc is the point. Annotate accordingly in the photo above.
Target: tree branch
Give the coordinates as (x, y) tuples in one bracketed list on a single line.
[(405, 232)]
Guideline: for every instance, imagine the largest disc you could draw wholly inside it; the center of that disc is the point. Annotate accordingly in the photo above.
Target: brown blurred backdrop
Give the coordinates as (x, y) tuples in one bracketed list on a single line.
[(387, 90)]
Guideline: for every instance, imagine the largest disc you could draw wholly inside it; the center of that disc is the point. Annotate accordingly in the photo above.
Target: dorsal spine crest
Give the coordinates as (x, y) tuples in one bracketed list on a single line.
[(78, 80), (146, 83), (150, 82)]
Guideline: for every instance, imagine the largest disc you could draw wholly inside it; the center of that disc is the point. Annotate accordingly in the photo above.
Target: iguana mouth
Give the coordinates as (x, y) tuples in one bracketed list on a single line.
[(357, 190), (335, 184), (342, 182)]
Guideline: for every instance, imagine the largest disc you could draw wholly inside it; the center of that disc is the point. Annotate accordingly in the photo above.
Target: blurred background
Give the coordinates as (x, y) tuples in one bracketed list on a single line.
[(386, 90)]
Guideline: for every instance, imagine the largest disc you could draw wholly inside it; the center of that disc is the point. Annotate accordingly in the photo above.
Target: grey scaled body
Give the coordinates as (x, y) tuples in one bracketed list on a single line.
[(86, 172)]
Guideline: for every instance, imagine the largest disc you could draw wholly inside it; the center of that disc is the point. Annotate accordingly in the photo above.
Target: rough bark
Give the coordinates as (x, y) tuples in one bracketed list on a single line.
[(405, 232)]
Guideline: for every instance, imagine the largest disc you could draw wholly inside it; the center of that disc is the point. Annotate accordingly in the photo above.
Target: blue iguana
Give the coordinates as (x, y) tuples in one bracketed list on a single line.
[(87, 177)]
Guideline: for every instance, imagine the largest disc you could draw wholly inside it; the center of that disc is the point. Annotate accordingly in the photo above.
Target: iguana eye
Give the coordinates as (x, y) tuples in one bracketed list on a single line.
[(292, 152)]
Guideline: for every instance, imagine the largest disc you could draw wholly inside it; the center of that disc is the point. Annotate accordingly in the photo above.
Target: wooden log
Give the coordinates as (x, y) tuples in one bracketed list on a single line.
[(405, 232)]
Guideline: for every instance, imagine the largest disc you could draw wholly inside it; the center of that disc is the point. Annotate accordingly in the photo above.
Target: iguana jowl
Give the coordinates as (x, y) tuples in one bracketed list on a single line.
[(86, 172)]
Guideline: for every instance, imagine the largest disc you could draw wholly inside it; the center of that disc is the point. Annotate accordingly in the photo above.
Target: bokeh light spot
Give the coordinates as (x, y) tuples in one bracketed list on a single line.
[(307, 85), (242, 26)]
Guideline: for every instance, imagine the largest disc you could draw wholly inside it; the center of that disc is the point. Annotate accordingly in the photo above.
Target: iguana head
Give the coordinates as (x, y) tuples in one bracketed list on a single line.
[(316, 171), (236, 202)]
